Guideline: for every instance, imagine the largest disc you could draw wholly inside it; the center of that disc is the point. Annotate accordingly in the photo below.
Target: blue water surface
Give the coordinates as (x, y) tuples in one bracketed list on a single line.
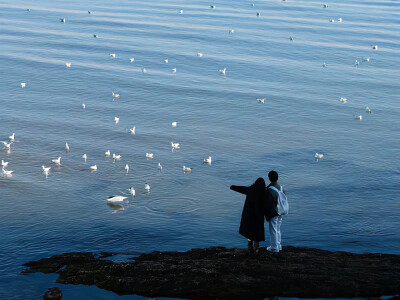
[(349, 201)]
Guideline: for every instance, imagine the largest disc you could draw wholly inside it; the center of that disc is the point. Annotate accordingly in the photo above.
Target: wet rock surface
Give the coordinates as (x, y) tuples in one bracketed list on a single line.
[(218, 272)]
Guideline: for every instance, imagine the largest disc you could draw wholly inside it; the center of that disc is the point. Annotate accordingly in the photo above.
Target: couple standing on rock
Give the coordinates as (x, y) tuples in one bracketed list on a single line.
[(263, 201)]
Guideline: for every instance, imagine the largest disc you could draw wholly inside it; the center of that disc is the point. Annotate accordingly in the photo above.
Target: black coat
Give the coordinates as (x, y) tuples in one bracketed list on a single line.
[(252, 222)]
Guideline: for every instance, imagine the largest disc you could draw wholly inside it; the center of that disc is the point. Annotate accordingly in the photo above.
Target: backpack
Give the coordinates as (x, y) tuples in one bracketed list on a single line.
[(282, 208)]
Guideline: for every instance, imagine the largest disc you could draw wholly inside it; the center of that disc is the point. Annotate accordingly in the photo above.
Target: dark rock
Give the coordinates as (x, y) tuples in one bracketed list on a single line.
[(217, 272), (53, 293)]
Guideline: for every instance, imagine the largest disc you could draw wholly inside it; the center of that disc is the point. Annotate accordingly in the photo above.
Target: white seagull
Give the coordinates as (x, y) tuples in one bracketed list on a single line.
[(4, 164), (332, 20), (231, 31), (149, 155), (66, 147), (23, 84), (116, 157), (7, 173), (175, 145), (340, 20), (113, 55), (132, 191), (186, 169), (116, 198), (84, 156), (7, 145), (46, 170), (133, 130), (325, 5), (343, 100), (144, 70), (319, 156), (147, 187), (127, 168), (57, 161), (181, 11), (324, 65), (375, 47), (368, 110), (174, 124), (132, 59), (68, 65), (116, 119), (83, 105), (165, 61), (12, 137), (159, 166), (63, 20), (108, 153), (261, 100), (89, 12), (174, 70), (115, 95), (200, 54), (359, 117), (223, 71), (207, 160), (93, 168)]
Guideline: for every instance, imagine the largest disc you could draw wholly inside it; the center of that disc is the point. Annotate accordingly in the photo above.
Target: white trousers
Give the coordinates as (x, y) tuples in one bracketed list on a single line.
[(275, 233)]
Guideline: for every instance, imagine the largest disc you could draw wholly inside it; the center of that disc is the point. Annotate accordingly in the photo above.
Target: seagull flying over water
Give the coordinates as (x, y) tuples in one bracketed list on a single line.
[(133, 130), (6, 172), (4, 164), (46, 170), (7, 145)]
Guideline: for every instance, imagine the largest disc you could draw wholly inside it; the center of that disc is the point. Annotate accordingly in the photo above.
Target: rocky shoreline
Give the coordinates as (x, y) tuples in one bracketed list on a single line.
[(218, 272)]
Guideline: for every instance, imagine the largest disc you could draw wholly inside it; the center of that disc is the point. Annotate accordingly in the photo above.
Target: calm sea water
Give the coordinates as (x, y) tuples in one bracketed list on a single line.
[(348, 201)]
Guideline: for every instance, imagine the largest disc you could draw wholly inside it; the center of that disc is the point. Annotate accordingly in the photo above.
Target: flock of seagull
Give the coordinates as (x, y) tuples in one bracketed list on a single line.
[(174, 145)]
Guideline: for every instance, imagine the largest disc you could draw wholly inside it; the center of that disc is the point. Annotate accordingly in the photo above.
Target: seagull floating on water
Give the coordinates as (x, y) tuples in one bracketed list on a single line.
[(113, 55), (127, 168), (261, 100), (324, 65), (375, 47), (4, 164), (212, 6), (207, 160), (23, 84), (231, 31), (174, 70), (116, 157), (116, 198), (115, 95), (63, 20), (46, 169), (84, 156), (200, 54), (133, 130), (291, 38), (186, 169), (165, 61), (147, 187), (258, 14), (83, 105), (319, 156), (149, 155), (175, 145), (325, 5), (132, 191), (95, 35), (356, 63), (181, 11), (174, 124), (93, 168), (116, 119), (332, 20), (12, 137), (6, 172), (144, 70), (340, 20), (57, 161), (132, 59), (7, 145), (223, 71), (368, 110), (343, 100), (359, 117), (68, 65), (108, 153), (159, 167), (66, 147)]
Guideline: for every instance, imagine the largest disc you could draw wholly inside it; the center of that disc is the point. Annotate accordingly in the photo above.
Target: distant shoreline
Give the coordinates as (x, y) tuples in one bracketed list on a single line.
[(218, 272)]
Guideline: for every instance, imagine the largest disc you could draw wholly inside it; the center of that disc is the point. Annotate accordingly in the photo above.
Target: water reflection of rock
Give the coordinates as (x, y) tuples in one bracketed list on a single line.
[(117, 207)]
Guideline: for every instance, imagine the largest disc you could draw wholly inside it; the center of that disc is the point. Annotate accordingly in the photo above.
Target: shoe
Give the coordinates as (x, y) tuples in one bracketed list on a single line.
[(270, 249)]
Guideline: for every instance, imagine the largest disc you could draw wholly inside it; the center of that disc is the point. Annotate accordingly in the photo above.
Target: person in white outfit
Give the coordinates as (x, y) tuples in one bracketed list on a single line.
[(271, 214)]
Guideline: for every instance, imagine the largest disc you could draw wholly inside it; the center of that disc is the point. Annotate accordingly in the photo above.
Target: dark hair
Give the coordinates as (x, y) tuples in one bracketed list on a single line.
[(259, 183), (273, 176)]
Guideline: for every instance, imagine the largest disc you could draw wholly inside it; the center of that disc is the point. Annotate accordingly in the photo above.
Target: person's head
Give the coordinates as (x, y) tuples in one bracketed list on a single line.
[(273, 176), (259, 183)]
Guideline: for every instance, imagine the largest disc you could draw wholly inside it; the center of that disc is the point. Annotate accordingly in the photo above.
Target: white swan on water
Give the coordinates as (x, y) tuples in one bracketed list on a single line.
[(116, 198)]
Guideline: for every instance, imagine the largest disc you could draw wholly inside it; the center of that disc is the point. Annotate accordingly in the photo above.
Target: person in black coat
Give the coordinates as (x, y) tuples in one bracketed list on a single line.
[(252, 222)]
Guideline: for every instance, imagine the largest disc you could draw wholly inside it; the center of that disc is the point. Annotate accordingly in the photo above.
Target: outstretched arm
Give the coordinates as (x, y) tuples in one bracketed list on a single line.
[(240, 189)]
